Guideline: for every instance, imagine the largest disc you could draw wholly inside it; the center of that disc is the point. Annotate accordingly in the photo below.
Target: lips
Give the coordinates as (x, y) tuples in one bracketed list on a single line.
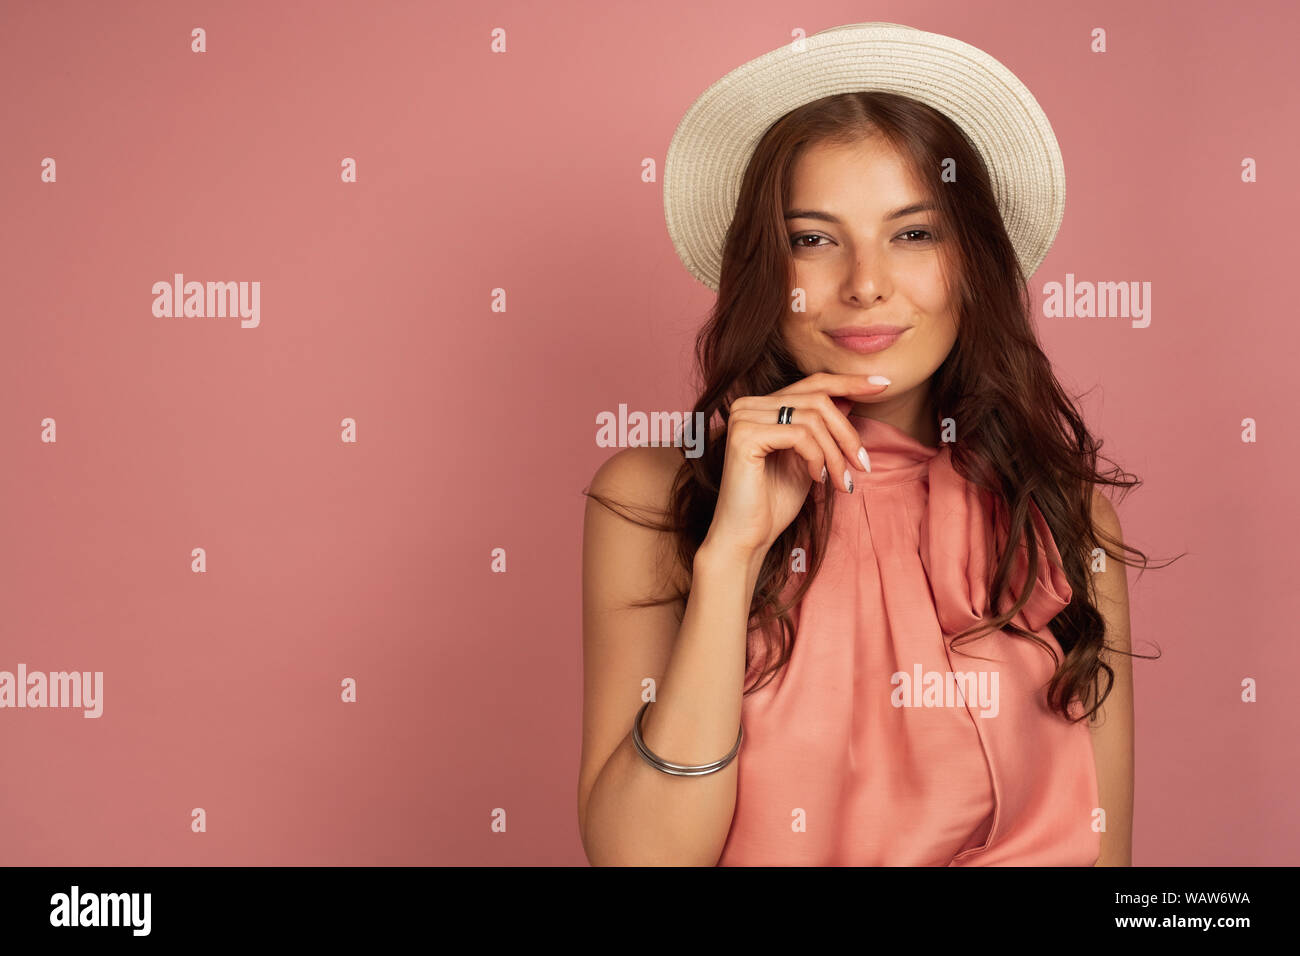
[(865, 339), (862, 331)]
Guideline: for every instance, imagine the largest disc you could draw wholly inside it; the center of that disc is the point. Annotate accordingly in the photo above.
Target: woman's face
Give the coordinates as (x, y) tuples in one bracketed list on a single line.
[(861, 261)]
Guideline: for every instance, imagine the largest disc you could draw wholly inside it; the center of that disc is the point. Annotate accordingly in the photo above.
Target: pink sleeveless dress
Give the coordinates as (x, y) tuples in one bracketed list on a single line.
[(879, 744)]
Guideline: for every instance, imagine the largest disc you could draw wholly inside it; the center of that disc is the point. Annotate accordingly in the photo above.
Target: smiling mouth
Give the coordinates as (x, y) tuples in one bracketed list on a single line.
[(866, 344)]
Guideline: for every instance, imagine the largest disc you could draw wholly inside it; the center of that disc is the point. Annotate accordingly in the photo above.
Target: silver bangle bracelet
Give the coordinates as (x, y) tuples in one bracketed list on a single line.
[(678, 769)]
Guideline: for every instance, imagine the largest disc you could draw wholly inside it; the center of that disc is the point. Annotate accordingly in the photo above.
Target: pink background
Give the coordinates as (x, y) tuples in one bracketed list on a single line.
[(477, 428)]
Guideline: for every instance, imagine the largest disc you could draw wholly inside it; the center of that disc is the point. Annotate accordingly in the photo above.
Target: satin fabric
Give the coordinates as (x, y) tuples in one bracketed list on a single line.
[(843, 763)]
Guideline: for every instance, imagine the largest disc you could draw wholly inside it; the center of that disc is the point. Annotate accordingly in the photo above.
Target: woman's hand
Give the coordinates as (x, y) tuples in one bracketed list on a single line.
[(769, 467)]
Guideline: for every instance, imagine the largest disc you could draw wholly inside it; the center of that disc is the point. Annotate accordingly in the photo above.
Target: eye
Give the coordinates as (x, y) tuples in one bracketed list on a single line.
[(794, 240), (922, 232)]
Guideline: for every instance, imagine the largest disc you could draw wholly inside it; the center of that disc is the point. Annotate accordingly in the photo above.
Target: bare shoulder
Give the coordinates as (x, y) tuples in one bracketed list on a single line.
[(1106, 526), (644, 473), (638, 481), (1104, 515)]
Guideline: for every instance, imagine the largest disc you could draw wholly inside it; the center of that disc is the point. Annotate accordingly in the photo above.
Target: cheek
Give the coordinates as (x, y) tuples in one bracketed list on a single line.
[(930, 294), (948, 328), (940, 338), (940, 333), (939, 308), (800, 325), (802, 337)]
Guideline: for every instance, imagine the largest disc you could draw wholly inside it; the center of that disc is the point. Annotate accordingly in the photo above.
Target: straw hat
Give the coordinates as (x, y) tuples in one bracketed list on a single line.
[(715, 139)]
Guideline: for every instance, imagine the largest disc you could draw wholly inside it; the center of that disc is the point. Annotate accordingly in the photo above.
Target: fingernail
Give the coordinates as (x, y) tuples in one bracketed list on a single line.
[(865, 459), (823, 474), (848, 480), (878, 380)]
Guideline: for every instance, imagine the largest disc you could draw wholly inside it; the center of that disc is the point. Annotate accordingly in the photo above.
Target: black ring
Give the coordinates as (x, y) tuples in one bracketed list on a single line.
[(785, 415)]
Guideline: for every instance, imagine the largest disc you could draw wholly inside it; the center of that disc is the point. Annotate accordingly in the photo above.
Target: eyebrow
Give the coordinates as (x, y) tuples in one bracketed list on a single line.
[(827, 217)]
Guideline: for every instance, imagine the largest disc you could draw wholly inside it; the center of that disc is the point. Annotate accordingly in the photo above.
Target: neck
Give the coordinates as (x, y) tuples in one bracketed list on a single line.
[(911, 413)]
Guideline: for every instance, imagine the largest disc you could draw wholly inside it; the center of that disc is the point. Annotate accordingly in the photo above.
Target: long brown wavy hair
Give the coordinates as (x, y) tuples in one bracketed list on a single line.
[(1021, 438)]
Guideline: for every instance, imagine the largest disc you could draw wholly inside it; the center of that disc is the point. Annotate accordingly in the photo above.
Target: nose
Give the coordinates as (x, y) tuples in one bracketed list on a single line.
[(867, 279)]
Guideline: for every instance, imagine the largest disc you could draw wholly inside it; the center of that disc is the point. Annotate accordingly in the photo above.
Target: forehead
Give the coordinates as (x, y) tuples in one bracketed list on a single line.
[(866, 175)]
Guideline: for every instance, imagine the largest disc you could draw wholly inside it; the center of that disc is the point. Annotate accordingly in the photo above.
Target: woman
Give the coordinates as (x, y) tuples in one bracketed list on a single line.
[(778, 675)]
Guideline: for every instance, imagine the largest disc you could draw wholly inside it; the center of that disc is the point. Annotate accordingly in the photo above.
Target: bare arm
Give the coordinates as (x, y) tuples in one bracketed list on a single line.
[(1112, 729), (629, 813)]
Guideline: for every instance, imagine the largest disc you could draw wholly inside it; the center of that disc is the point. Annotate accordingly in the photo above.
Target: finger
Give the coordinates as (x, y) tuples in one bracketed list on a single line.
[(836, 383), (834, 428), (840, 384), (755, 411), (845, 433), (763, 438)]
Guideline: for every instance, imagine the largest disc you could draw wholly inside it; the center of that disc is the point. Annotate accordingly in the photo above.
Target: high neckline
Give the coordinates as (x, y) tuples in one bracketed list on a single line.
[(893, 452)]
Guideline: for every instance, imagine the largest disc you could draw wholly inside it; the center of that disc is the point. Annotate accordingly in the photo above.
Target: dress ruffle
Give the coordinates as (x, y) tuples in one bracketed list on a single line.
[(1043, 769), (958, 547)]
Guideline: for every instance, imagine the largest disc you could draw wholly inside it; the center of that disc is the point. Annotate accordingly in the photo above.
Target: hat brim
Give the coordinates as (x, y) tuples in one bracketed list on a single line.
[(716, 137)]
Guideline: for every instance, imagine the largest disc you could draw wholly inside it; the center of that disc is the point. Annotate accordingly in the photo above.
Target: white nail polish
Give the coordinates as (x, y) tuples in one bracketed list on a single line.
[(823, 474), (848, 480), (865, 459), (878, 380)]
